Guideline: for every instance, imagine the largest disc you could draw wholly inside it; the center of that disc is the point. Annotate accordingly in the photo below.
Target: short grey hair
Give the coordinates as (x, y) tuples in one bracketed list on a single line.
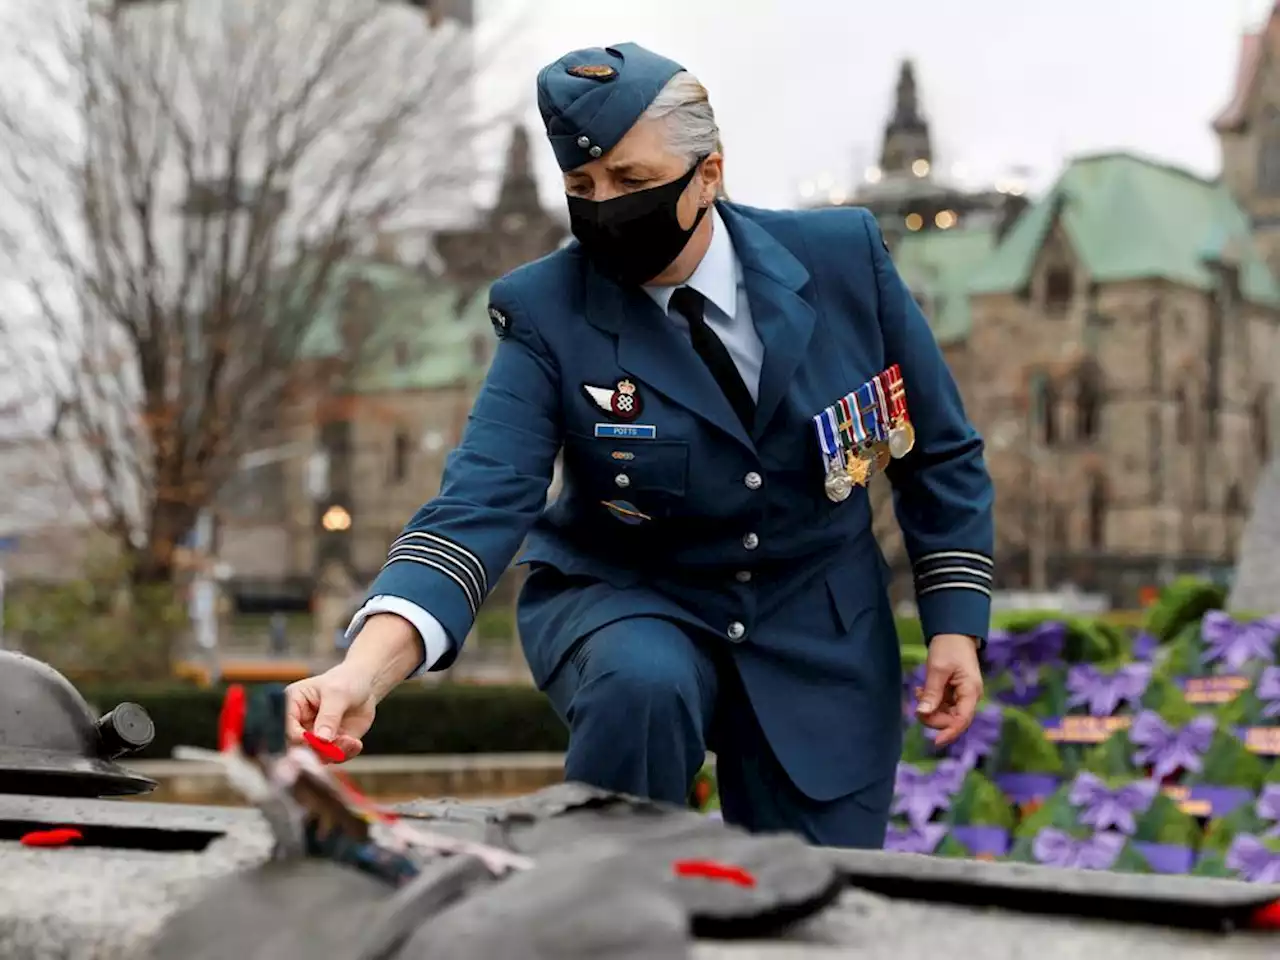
[(683, 103)]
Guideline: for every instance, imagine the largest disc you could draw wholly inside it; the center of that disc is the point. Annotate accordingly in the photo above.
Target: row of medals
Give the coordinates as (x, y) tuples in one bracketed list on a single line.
[(866, 461)]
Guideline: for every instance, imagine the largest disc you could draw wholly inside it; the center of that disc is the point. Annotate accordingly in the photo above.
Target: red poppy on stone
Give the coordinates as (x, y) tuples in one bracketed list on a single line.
[(711, 870), (1266, 918), (51, 838)]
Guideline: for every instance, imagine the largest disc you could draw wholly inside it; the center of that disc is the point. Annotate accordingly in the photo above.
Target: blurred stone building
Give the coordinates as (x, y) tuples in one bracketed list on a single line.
[(391, 368), (1117, 341)]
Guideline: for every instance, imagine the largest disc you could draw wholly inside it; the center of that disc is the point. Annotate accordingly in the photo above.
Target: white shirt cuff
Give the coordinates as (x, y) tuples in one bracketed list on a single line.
[(435, 641)]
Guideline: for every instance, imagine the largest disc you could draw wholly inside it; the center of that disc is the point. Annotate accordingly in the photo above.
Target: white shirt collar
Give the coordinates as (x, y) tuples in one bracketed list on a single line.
[(716, 277)]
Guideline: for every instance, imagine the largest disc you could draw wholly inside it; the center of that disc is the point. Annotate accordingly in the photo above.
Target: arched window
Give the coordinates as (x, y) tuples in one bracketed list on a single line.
[(1234, 504), (1234, 509), (1261, 426), (1089, 403), (1183, 427), (1097, 512), (1059, 289), (401, 454), (1045, 409)]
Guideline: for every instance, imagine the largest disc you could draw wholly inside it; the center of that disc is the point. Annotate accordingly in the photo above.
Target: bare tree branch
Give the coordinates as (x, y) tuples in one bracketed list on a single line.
[(179, 181)]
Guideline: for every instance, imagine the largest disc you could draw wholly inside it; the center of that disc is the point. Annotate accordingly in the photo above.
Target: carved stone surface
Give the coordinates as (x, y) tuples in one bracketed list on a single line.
[(98, 902)]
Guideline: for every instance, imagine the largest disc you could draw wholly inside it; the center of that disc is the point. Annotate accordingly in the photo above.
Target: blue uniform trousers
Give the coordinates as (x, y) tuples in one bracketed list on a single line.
[(644, 700)]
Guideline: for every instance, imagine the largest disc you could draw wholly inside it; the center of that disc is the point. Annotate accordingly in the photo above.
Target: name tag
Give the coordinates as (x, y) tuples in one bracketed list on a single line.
[(627, 431)]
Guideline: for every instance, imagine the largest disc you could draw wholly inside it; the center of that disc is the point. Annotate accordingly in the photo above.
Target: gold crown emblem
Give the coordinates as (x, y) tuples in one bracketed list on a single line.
[(627, 387), (592, 71)]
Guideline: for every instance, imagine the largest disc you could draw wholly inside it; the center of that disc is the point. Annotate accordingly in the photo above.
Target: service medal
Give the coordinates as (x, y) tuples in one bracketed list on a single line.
[(838, 486), (902, 438), (859, 470)]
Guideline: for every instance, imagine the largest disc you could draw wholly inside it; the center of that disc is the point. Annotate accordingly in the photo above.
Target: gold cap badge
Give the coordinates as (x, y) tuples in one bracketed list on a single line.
[(593, 71)]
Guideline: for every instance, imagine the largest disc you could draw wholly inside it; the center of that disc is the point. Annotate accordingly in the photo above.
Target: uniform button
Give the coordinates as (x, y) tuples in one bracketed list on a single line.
[(595, 151), (736, 631), (584, 142), (753, 480), (743, 576), (622, 480), (751, 541)]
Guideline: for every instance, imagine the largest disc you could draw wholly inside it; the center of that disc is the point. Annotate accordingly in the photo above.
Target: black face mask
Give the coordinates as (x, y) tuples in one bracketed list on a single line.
[(634, 237)]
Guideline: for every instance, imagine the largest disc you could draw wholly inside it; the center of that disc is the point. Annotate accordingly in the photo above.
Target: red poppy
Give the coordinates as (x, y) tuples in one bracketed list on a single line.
[(711, 870), (325, 749), (59, 837)]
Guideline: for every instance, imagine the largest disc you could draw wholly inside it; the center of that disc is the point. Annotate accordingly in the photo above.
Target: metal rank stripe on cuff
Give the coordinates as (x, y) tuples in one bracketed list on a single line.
[(446, 557), (953, 570)]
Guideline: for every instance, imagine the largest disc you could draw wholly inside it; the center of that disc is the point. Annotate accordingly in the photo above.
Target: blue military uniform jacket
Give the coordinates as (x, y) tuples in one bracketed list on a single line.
[(695, 517)]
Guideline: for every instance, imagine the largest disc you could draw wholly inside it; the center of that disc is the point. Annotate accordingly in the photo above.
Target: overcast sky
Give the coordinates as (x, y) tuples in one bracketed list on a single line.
[(802, 87)]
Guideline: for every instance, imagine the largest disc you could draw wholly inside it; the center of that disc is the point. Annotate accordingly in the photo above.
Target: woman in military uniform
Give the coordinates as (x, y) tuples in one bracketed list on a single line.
[(723, 382)]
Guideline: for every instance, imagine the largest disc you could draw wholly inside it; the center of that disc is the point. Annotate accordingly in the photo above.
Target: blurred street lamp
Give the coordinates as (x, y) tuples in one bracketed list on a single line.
[(336, 519)]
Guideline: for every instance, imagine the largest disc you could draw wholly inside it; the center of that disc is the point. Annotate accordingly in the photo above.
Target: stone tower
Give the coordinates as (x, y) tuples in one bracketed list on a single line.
[(1248, 130), (515, 230), (906, 135)]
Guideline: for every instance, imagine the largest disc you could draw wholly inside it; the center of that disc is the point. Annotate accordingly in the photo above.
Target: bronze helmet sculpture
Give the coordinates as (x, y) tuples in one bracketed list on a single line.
[(51, 744)]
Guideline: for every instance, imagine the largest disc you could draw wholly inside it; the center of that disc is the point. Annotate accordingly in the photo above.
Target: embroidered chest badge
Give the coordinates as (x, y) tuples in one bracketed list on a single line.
[(621, 402)]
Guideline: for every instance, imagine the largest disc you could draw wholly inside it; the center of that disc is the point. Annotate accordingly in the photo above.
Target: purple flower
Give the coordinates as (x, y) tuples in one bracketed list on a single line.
[(978, 741), (1057, 848), (1025, 687), (1036, 647), (918, 795), (1103, 693), (1235, 644), (1167, 750), (1268, 691), (1105, 809), (1020, 657), (1252, 861), (915, 839), (1268, 808), (1145, 646)]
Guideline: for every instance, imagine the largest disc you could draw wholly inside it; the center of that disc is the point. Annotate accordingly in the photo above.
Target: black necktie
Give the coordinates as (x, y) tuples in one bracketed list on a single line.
[(690, 303)]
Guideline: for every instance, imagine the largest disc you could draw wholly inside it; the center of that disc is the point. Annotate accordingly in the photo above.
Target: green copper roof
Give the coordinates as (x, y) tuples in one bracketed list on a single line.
[(1129, 218), (423, 334), (937, 265)]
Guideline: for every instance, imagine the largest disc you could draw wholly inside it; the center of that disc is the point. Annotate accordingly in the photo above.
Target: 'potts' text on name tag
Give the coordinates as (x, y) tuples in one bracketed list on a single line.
[(1083, 729), (626, 431), (1214, 689)]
